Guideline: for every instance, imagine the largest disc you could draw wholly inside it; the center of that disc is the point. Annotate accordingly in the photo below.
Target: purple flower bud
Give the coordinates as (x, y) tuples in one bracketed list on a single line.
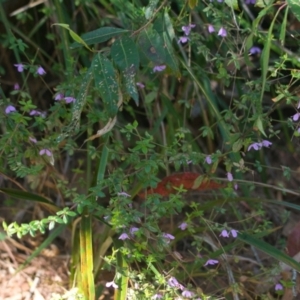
[(133, 230), (211, 28), (172, 282), (187, 294), (139, 84), (16, 86), (266, 143), (45, 151), (296, 117), (187, 29), (278, 287), (40, 71), (183, 226), (229, 176), (211, 262), (123, 236), (20, 67), (183, 39), (254, 50), (159, 68), (222, 32), (35, 113), (59, 97), (224, 233), (208, 159), (234, 233), (9, 109), (33, 140), (70, 99), (168, 236)]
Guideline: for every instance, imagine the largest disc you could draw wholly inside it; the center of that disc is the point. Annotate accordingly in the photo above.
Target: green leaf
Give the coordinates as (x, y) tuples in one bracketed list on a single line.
[(99, 35), (130, 84), (295, 7), (125, 53), (150, 9), (259, 125), (106, 84), (270, 250), (232, 4), (237, 145), (193, 3), (152, 46)]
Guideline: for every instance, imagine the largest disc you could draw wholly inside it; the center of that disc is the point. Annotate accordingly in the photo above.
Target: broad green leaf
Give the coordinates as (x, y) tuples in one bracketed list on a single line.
[(295, 7), (125, 53), (74, 35), (164, 27), (106, 84), (152, 46), (150, 9), (270, 250), (99, 35), (233, 4), (193, 3)]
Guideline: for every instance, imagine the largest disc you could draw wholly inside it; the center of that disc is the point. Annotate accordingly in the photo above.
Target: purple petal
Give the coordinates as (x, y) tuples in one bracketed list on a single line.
[(183, 226), (224, 233), (20, 67), (139, 84), (33, 140), (229, 176), (40, 71), (9, 109), (234, 233), (222, 32), (70, 99), (123, 236), (159, 68), (211, 28)]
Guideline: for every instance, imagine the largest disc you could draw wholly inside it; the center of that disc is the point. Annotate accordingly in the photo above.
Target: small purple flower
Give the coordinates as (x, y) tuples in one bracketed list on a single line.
[(236, 186), (172, 282), (224, 233), (296, 117), (222, 32), (45, 151), (159, 68), (187, 29), (59, 97), (183, 39), (33, 140), (156, 296), (234, 233), (111, 283), (211, 262), (250, 1), (255, 146), (20, 67), (124, 194), (70, 99), (35, 113), (254, 50), (40, 71), (16, 86), (278, 287), (168, 236), (187, 294), (123, 236), (133, 230), (183, 226), (9, 109), (140, 85), (211, 28), (266, 143), (229, 176), (208, 159)]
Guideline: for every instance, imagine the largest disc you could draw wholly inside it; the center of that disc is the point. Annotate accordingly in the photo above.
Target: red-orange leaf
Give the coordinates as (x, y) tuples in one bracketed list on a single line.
[(188, 180)]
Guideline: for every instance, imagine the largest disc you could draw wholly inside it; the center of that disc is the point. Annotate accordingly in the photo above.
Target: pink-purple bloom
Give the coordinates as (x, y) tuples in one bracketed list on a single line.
[(296, 117), (59, 97), (168, 237), (70, 99), (211, 262), (278, 287), (183, 39), (254, 50), (183, 226), (35, 113), (40, 71), (187, 29), (133, 230), (187, 294), (20, 67), (159, 68), (211, 28), (222, 32), (140, 85), (229, 176), (224, 233), (258, 146), (111, 283), (208, 159), (123, 236), (172, 282), (33, 140), (9, 109), (45, 152), (234, 233), (16, 86)]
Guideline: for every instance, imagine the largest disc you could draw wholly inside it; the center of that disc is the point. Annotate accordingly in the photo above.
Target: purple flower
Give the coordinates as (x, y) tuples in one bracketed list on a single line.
[(70, 99), (187, 294), (16, 86), (40, 71), (236, 186), (159, 68), (168, 236), (266, 143), (211, 28), (123, 194), (208, 159), (33, 140), (254, 50), (224, 233), (59, 97), (139, 84), (123, 236), (9, 109), (222, 32), (183, 39), (20, 67), (187, 29), (183, 226), (35, 113), (278, 287), (296, 117), (255, 146), (250, 1), (229, 176), (234, 233), (172, 282), (133, 230), (211, 262), (156, 296), (45, 151), (111, 283)]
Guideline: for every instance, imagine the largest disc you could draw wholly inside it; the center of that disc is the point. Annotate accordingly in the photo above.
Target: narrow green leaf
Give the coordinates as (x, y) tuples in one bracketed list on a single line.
[(130, 85), (232, 4), (295, 7), (125, 53), (150, 9), (99, 35), (283, 26), (270, 250), (259, 125), (105, 83)]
